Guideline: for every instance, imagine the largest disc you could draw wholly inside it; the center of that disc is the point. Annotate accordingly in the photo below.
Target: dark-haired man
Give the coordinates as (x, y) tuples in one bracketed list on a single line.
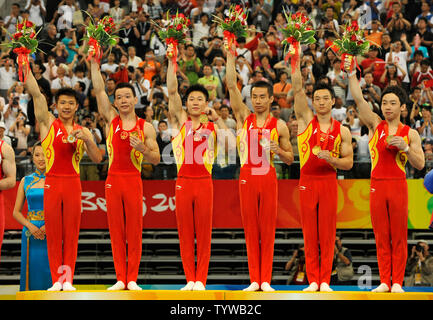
[(324, 146), (392, 144), (194, 147), (260, 138), (130, 140), (64, 143)]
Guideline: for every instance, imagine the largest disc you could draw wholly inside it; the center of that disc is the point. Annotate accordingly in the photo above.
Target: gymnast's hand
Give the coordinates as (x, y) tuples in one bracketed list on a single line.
[(137, 144), (326, 155), (398, 142)]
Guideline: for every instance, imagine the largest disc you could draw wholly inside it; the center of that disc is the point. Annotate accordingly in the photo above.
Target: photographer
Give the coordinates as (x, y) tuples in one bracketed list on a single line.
[(37, 12), (370, 91), (88, 170), (296, 267), (20, 130), (419, 266), (398, 24), (141, 87), (166, 169), (7, 76), (342, 265)]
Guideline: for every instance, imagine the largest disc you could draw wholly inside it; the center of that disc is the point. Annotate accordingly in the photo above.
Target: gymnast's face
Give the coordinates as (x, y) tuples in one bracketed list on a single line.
[(39, 158), (391, 106), (323, 101), (196, 103), (124, 100)]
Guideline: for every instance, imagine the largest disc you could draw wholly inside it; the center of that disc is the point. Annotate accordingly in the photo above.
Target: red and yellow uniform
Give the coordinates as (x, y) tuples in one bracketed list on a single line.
[(389, 203), (259, 193), (124, 195), (2, 210), (62, 198), (194, 151), (318, 199)]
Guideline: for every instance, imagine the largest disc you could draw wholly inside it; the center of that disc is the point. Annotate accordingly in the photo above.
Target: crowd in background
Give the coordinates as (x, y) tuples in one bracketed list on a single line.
[(400, 33)]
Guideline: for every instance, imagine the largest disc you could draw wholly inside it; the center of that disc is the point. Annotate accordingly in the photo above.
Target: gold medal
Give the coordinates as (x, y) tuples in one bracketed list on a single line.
[(134, 134), (197, 137), (388, 138), (263, 142), (203, 118), (71, 138), (124, 135), (316, 150)]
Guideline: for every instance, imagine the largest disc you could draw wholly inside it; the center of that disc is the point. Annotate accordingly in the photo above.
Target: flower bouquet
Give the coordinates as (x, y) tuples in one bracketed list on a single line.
[(297, 31), (234, 26), (351, 44), (100, 35), (174, 33), (24, 42)]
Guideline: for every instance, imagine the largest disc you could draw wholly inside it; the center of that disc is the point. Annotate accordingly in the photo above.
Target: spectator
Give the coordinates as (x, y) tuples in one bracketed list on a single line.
[(79, 88), (339, 82), (141, 87), (391, 74), (423, 38), (342, 264), (219, 71), (261, 13), (12, 20), (351, 13), (415, 65), (11, 111), (397, 25), (128, 33), (3, 136), (374, 35), (95, 9), (269, 72), (425, 74), (18, 90), (121, 75), (338, 112), (425, 126), (38, 69), (214, 50), (37, 12), (224, 112), (190, 64), (20, 130), (426, 14), (111, 87), (374, 65), (200, 31), (400, 58), (386, 46), (370, 90), (133, 60), (420, 266), (352, 121), (66, 11), (149, 116), (7, 76), (71, 45), (154, 10), (62, 79), (244, 52), (110, 66), (297, 268), (209, 81), (167, 168), (281, 90), (48, 42), (116, 12), (80, 75)]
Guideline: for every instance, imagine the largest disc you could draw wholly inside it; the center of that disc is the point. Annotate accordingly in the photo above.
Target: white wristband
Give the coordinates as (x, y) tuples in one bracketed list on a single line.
[(352, 73), (406, 149)]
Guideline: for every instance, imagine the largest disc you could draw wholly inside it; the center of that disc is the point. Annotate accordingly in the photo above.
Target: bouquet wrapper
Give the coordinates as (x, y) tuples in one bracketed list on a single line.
[(231, 39), (95, 50), (353, 62), (173, 56), (293, 54), (23, 62)]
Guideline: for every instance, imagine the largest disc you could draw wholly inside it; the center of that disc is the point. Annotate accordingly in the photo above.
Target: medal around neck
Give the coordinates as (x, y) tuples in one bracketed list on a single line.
[(316, 150), (203, 118), (71, 138)]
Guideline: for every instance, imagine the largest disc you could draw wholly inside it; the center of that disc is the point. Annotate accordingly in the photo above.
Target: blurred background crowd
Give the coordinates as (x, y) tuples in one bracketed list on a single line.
[(400, 33)]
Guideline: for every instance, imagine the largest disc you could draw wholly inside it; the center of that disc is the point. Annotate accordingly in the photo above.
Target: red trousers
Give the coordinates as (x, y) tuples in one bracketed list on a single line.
[(2, 220), (259, 194), (389, 214), (62, 206), (124, 195), (318, 202), (194, 207)]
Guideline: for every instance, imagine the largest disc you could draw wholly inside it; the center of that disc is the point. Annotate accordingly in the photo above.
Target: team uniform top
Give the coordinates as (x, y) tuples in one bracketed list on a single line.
[(250, 141), (311, 137), (387, 162), (195, 150), (123, 159), (62, 157)]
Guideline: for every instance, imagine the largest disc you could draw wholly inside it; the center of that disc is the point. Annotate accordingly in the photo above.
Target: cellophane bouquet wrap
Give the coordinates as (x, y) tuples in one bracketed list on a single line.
[(100, 35), (234, 26), (298, 31), (23, 43), (351, 44), (174, 33)]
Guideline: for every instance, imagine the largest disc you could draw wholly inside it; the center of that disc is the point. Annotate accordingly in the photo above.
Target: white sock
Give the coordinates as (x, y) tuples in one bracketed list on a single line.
[(396, 288), (189, 286), (313, 287), (253, 287), (67, 286), (266, 287), (118, 286), (132, 285), (382, 288), (198, 286), (56, 287), (324, 287)]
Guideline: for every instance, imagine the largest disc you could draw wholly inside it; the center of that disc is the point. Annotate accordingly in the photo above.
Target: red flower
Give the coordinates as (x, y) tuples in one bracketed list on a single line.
[(354, 23), (308, 28), (179, 27), (348, 29), (29, 24), (359, 43), (18, 35), (32, 35), (293, 17), (353, 38), (20, 26), (244, 16), (303, 19), (297, 26), (107, 29)]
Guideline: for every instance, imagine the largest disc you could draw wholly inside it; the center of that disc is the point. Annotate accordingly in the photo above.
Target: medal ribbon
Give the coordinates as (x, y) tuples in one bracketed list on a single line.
[(268, 119), (23, 62), (386, 128), (319, 134), (65, 132)]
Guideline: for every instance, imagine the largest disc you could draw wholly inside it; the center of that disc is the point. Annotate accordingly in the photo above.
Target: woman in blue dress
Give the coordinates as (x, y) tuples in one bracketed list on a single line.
[(35, 271)]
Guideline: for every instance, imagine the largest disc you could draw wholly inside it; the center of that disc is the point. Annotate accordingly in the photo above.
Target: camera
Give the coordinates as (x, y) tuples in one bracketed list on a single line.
[(419, 248)]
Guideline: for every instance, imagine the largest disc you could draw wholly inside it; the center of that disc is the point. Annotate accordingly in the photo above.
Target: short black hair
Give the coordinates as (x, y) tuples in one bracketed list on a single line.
[(425, 62), (162, 121), (82, 85), (263, 84), (197, 87), (398, 91), (324, 86), (423, 18), (224, 106), (66, 92), (122, 85), (16, 4), (418, 52)]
